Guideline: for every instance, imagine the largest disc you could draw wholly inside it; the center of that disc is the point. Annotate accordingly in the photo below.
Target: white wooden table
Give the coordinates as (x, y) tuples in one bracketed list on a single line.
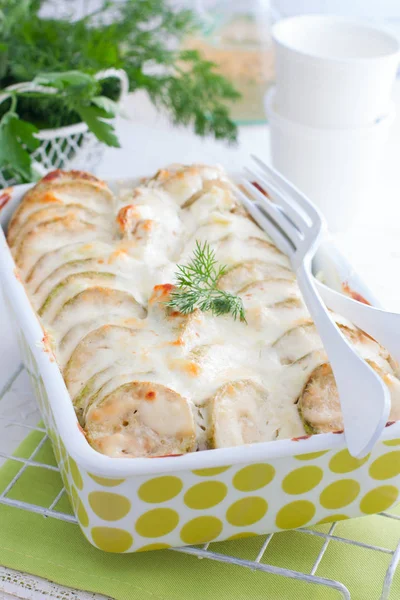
[(149, 142)]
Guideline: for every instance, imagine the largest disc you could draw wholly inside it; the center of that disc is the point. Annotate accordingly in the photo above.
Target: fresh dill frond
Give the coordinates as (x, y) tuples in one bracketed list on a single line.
[(197, 287)]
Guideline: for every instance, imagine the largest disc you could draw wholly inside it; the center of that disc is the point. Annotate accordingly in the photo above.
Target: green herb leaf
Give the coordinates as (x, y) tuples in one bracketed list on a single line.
[(102, 130), (12, 153), (143, 37), (197, 287), (65, 79), (25, 131), (109, 107)]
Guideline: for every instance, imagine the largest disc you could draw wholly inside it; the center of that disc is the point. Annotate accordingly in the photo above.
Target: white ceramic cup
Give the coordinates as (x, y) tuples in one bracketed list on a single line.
[(333, 71), (336, 168)]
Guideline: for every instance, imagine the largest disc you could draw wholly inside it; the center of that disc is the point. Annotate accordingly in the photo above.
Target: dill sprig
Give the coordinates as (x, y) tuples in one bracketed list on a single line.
[(197, 287)]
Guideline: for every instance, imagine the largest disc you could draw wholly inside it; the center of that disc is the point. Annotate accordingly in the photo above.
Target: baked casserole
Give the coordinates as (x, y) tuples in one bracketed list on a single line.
[(148, 380)]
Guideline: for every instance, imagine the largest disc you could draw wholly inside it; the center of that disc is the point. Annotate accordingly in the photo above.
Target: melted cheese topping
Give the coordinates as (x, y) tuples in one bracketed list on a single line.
[(147, 381)]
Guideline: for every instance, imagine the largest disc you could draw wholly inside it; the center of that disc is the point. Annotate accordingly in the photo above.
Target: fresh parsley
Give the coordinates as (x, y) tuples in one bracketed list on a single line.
[(143, 37), (79, 91), (197, 287)]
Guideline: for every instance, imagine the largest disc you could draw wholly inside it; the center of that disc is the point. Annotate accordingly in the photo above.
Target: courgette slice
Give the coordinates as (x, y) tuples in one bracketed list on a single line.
[(216, 194), (70, 287), (239, 415), (232, 249), (181, 329), (95, 302), (96, 265), (273, 293), (48, 214), (319, 404), (68, 341), (183, 182), (297, 342), (54, 235), (54, 259), (244, 273), (141, 419), (104, 383), (98, 350), (119, 375), (63, 187)]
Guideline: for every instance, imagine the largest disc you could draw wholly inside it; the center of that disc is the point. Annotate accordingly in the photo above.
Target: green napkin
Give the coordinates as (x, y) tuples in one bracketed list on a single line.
[(58, 551)]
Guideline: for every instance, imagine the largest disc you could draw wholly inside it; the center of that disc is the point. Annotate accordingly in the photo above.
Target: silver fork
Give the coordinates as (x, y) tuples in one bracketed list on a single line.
[(364, 397)]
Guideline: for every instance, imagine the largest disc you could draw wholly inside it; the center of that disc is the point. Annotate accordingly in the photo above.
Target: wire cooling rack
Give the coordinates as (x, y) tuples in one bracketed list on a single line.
[(19, 415)]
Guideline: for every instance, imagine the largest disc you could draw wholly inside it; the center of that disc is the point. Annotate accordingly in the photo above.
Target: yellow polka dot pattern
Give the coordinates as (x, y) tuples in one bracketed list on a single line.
[(111, 539), (225, 502), (332, 518), (81, 513), (205, 495), (295, 514), (311, 455), (253, 477), (210, 472), (340, 493), (302, 480), (386, 466), (157, 522), (343, 462), (160, 489), (157, 546), (321, 486), (241, 535), (395, 442), (76, 476), (379, 499), (104, 481), (109, 506), (246, 511), (201, 530)]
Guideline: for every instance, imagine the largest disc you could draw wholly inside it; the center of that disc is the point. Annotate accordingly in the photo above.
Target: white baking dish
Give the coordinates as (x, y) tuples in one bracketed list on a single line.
[(132, 504)]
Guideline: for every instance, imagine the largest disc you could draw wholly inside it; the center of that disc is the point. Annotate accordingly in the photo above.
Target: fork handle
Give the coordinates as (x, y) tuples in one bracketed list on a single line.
[(329, 332), (383, 326), (364, 397)]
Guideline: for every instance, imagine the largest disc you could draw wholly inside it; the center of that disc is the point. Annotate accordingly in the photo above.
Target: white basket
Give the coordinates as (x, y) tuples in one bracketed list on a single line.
[(69, 147)]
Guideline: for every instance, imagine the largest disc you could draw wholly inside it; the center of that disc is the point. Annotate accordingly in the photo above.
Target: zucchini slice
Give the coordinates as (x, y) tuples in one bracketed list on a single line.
[(232, 249), (95, 302), (121, 316), (272, 293), (49, 213), (240, 275), (297, 342), (183, 182), (96, 265), (104, 383), (60, 188), (98, 350), (215, 196), (70, 287), (181, 329), (239, 415), (141, 419), (54, 259), (319, 404), (54, 234)]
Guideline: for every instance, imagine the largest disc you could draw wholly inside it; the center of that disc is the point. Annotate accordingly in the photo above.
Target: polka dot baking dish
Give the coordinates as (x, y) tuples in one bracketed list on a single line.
[(139, 504)]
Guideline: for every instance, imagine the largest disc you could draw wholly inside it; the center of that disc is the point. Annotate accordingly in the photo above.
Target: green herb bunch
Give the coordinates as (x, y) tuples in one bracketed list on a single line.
[(197, 287), (79, 91), (143, 37)]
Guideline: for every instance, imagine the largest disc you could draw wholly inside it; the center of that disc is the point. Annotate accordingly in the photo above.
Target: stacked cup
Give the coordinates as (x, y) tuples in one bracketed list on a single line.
[(331, 110)]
